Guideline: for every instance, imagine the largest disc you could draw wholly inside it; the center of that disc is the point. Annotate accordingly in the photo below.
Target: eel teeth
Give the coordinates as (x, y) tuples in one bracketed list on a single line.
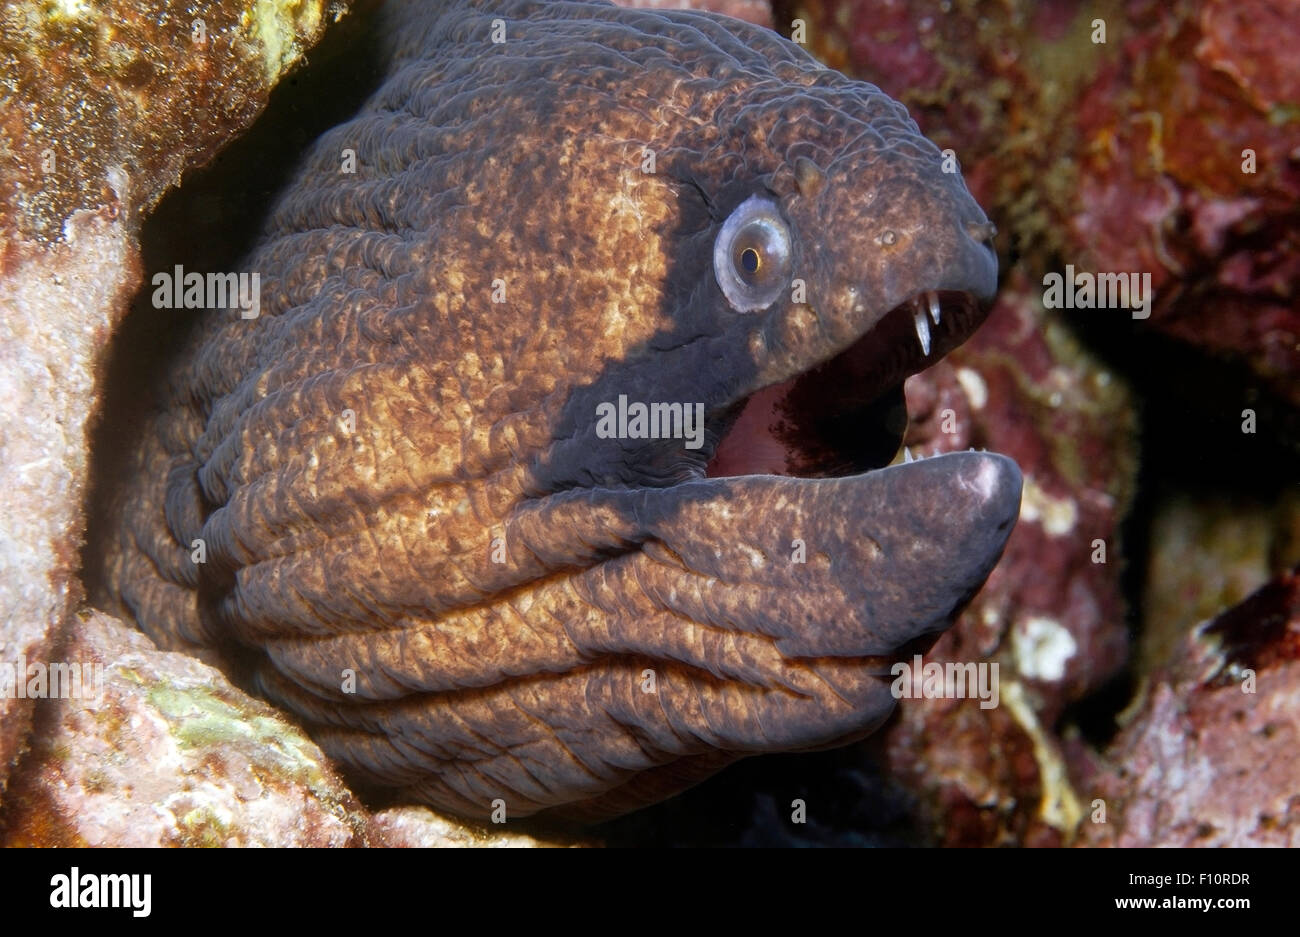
[(922, 331), (907, 454), (933, 299)]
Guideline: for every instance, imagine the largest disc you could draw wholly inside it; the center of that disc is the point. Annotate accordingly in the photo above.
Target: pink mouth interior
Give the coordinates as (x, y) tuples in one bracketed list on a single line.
[(751, 446), (846, 415)]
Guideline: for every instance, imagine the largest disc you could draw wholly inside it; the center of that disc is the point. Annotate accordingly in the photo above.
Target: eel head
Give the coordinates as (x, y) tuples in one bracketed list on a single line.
[(498, 586)]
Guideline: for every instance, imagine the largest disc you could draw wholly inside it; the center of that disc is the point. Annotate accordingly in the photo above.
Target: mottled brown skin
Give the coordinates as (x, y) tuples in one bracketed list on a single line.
[(372, 550)]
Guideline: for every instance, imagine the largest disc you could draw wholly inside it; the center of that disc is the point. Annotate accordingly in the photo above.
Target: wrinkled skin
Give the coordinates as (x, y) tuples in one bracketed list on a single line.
[(498, 578)]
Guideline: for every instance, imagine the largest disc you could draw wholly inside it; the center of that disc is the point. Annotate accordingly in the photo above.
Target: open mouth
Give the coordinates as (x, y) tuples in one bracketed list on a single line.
[(846, 415)]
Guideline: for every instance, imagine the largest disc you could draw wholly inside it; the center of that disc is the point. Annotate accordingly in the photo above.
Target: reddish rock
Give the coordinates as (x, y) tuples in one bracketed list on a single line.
[(105, 106), (1196, 87), (1050, 616), (1124, 156), (1211, 756), (160, 750)]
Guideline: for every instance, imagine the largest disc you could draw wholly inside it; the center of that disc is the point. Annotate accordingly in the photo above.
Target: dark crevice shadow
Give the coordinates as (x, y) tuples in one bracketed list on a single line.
[(848, 801), (1190, 443)]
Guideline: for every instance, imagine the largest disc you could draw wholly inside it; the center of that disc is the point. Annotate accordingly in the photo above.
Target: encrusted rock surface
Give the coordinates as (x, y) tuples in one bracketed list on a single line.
[(169, 754), (57, 307), (106, 105), (1051, 615), (1211, 756), (159, 749), (109, 102)]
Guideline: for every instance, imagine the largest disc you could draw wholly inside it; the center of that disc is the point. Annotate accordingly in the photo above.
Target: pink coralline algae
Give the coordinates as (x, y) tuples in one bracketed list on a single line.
[(1051, 615), (1212, 755)]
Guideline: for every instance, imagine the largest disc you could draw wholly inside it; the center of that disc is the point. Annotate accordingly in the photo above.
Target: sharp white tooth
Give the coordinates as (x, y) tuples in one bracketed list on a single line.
[(934, 306), (907, 454), (922, 332)]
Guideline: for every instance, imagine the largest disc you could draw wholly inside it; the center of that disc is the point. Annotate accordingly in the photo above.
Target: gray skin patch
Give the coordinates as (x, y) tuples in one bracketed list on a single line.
[(396, 469)]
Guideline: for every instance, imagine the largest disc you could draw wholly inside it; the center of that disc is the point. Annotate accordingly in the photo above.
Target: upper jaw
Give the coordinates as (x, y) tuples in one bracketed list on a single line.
[(827, 420), (880, 310)]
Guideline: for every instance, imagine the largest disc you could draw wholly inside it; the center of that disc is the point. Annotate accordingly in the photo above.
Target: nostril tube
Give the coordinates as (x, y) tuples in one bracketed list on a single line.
[(982, 230)]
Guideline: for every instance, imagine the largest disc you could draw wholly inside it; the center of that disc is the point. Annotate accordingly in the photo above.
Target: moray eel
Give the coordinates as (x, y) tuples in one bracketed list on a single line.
[(417, 501)]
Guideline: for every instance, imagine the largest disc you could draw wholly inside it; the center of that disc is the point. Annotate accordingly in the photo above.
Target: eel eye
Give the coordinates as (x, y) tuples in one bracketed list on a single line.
[(751, 257)]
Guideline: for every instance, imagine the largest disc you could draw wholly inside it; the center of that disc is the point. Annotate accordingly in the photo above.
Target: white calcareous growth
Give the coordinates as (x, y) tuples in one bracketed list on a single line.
[(977, 392), (1057, 515), (1042, 647)]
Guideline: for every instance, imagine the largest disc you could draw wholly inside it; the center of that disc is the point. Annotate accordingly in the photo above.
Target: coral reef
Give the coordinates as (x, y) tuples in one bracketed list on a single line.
[(1138, 137)]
